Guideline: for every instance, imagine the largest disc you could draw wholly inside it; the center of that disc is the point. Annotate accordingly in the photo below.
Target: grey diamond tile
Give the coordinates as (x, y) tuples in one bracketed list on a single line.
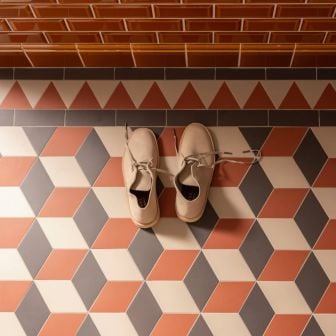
[(312, 281), (200, 328), (145, 250), (256, 312), (311, 218), (32, 312), (256, 249), (201, 281), (89, 280), (88, 328), (92, 156), (256, 188), (144, 311), (255, 136), (312, 328), (35, 249), (37, 186), (90, 218), (310, 157), (203, 227), (39, 136)]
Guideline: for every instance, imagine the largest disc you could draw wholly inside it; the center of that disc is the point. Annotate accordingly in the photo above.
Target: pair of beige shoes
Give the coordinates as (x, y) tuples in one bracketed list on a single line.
[(196, 161)]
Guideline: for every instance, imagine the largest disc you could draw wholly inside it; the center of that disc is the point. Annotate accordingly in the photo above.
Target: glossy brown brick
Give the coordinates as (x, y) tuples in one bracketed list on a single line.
[(96, 24), (122, 11), (60, 11), (244, 11), (154, 25), (200, 37), (299, 37), (18, 11), (271, 24), (319, 24), (256, 55), (183, 11), (301, 11), (11, 56), (134, 37), (331, 37), (315, 56), (169, 55), (71, 37), (38, 24), (241, 37), (21, 38), (203, 55), (3, 25), (149, 1), (212, 24)]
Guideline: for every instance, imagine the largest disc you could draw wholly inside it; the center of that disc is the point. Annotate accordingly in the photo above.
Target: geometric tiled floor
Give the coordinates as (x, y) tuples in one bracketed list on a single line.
[(261, 261)]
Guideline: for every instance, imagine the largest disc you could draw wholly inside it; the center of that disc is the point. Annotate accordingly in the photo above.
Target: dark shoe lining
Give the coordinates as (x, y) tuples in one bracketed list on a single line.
[(142, 197), (189, 192)]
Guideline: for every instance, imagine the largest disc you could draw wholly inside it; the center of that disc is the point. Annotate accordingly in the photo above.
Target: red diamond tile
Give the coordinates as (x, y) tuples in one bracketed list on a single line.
[(12, 293), (50, 99), (120, 99), (327, 99), (61, 265), (189, 99), (62, 324), (294, 99), (14, 169), (85, 99), (66, 141), (154, 99), (289, 325), (327, 177), (327, 240), (173, 265), (228, 297), (166, 141), (111, 175), (283, 266), (259, 99), (167, 202), (117, 233), (224, 99), (283, 203), (283, 141), (327, 304), (16, 98), (116, 296), (174, 324), (229, 234), (12, 231), (63, 202), (229, 174)]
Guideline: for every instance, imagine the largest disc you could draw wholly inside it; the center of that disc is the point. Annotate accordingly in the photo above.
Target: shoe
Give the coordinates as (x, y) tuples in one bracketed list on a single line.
[(196, 161), (139, 165)]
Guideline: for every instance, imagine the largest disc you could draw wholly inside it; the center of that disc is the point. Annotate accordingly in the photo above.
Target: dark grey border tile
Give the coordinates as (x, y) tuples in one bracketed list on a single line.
[(38, 73), (242, 117), (6, 117), (139, 73), (326, 73), (39, 117), (293, 118), (240, 73), (6, 73), (190, 73), (328, 118), (90, 118), (291, 73), (89, 73), (185, 117), (141, 117)]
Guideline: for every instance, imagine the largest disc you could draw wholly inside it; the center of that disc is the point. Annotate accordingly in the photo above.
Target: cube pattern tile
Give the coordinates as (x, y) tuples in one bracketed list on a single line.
[(259, 262), (53, 27)]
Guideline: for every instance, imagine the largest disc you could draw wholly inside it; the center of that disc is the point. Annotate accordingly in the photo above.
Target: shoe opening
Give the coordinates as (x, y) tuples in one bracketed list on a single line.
[(142, 197)]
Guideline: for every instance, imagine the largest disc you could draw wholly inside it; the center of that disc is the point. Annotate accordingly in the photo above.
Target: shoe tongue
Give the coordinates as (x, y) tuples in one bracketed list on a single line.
[(142, 182), (186, 177)]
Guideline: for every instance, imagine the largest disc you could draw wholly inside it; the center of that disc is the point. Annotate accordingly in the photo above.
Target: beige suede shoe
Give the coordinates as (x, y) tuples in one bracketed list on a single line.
[(139, 166), (196, 161)]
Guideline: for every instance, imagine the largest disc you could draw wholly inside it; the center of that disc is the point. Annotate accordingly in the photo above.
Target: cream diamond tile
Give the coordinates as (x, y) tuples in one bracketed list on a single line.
[(166, 294), (312, 90), (113, 139), (327, 199), (241, 89), (276, 90), (13, 203), (137, 92), (102, 89), (229, 265), (206, 90), (172, 90), (327, 323), (34, 89), (327, 259), (12, 266), (327, 138), (68, 89), (10, 325), (64, 171)]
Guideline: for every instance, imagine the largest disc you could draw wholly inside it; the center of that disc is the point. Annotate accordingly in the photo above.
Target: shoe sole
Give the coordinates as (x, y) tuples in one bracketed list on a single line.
[(157, 217), (195, 219)]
